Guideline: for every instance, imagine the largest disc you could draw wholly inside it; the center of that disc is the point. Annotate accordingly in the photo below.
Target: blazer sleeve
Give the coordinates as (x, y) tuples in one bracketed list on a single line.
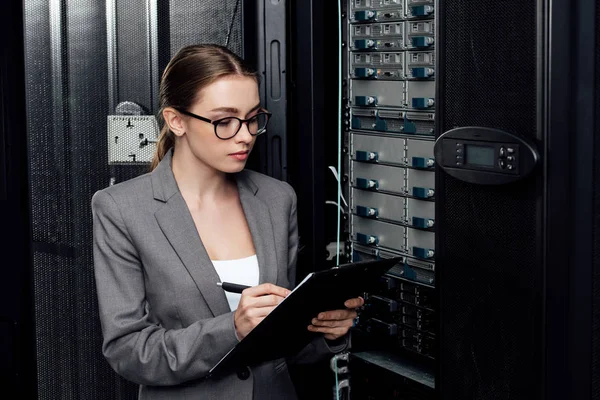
[(319, 348), (137, 347), (292, 238)]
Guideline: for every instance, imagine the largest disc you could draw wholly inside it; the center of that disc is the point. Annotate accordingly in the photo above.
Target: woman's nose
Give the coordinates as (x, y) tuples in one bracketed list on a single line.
[(244, 134)]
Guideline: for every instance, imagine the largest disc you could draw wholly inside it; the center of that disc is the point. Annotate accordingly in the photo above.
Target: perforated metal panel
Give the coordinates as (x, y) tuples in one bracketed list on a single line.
[(490, 277), (490, 66), (133, 52), (491, 298), (207, 21), (131, 139), (69, 95)]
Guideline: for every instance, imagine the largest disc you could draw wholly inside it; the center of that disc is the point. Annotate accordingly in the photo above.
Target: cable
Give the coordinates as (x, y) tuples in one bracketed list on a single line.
[(337, 178), (333, 364), (339, 159), (231, 24)]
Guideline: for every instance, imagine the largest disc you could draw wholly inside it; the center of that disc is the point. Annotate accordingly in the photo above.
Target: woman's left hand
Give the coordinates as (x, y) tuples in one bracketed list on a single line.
[(334, 324)]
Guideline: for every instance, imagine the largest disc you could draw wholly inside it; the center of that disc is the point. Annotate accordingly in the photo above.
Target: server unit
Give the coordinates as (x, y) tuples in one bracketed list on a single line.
[(381, 376)]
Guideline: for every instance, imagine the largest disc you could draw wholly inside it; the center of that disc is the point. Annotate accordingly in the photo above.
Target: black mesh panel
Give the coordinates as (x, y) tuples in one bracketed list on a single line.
[(490, 277), (67, 100), (133, 53), (208, 21), (490, 290), (47, 212), (490, 65)]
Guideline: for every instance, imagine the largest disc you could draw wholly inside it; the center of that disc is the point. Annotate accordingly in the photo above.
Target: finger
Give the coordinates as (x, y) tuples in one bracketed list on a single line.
[(339, 331), (337, 315), (355, 302), (333, 324), (265, 289), (260, 312), (264, 301)]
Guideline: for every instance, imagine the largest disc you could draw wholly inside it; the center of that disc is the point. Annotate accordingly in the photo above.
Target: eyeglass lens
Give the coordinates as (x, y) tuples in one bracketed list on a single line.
[(228, 127)]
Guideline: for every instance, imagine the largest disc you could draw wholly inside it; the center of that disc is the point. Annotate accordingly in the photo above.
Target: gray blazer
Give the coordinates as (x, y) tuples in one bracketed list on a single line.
[(164, 320)]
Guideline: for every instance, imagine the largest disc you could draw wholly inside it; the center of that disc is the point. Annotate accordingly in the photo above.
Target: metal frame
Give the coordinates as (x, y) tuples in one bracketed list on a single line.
[(60, 91), (266, 48), (152, 48), (581, 274), (439, 184), (152, 21), (554, 87), (313, 104), (111, 40), (17, 322)]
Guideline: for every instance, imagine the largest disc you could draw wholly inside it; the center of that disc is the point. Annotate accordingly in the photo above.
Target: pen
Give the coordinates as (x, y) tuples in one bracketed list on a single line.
[(232, 287)]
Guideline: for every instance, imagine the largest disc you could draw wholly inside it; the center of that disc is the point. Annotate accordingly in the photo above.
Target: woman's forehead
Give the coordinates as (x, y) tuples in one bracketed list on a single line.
[(239, 92)]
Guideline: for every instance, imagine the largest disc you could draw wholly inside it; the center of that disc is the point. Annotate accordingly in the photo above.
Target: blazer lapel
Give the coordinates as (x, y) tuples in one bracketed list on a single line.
[(260, 224), (176, 222), (178, 226)]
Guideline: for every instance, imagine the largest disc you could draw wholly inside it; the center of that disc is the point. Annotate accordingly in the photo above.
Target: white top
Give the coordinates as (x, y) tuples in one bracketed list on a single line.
[(243, 271)]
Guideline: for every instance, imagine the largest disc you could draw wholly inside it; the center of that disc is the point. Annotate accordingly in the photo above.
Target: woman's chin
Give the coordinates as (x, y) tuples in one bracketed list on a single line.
[(232, 168)]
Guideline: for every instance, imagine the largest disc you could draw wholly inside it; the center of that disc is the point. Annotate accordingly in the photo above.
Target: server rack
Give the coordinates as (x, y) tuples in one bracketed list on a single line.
[(60, 261), (390, 76), (518, 272), (515, 301)]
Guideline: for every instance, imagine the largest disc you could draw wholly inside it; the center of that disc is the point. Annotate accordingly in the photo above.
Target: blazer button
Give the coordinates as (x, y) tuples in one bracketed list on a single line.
[(243, 373)]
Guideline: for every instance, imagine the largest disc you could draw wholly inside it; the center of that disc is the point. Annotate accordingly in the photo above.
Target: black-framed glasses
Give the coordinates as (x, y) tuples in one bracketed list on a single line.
[(228, 127)]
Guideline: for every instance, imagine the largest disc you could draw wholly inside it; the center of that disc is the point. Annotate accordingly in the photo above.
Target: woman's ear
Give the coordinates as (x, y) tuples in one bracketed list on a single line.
[(173, 118)]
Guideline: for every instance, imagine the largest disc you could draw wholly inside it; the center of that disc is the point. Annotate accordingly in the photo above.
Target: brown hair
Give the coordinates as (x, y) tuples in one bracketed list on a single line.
[(191, 69)]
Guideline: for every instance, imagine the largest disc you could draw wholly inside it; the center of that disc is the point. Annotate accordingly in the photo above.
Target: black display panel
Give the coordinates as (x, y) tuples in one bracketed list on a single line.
[(479, 155)]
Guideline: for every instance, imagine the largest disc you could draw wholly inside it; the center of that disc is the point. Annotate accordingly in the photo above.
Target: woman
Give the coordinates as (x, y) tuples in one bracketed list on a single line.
[(162, 242)]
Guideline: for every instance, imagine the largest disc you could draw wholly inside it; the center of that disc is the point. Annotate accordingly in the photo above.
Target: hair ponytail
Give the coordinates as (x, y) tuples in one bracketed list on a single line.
[(165, 142)]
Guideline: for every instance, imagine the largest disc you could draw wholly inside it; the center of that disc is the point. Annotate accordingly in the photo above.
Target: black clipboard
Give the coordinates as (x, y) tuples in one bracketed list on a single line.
[(284, 332)]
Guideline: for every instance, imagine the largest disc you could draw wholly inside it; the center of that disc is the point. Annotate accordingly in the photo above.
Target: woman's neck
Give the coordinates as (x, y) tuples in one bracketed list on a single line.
[(197, 181)]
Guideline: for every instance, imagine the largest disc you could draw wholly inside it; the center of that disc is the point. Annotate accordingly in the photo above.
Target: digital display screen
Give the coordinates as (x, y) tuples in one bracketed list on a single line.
[(480, 155)]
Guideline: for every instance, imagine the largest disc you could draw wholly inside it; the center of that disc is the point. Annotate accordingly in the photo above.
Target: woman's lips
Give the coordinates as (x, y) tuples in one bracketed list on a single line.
[(240, 156)]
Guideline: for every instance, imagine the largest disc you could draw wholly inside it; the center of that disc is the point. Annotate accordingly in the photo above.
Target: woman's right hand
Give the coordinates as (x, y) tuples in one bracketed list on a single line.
[(255, 304)]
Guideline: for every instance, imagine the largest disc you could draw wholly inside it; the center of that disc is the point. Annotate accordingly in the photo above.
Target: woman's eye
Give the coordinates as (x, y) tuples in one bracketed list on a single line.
[(225, 122)]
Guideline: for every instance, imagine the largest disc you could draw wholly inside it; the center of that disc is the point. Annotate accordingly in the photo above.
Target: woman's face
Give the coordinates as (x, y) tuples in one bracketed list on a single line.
[(231, 96)]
